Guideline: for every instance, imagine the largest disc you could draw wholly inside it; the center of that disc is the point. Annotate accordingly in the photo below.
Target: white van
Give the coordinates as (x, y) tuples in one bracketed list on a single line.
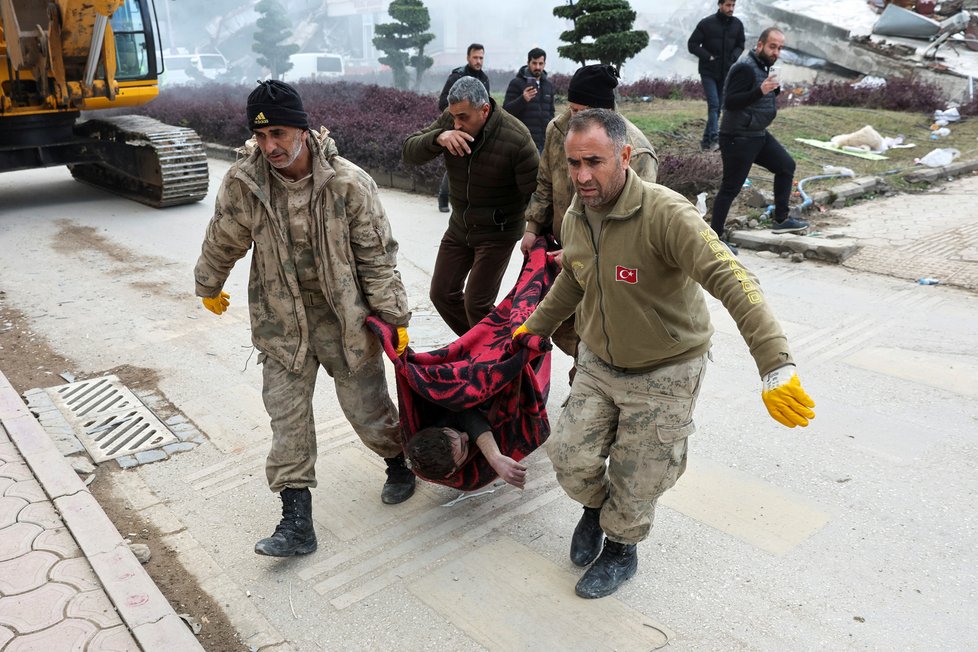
[(182, 67), (314, 65)]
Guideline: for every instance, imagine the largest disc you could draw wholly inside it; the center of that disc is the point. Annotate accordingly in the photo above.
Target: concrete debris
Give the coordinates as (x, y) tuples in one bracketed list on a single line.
[(81, 465), (141, 551)]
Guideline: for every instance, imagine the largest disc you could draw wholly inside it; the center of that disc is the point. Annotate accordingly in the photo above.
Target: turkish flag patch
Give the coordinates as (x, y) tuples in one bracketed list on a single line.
[(626, 275)]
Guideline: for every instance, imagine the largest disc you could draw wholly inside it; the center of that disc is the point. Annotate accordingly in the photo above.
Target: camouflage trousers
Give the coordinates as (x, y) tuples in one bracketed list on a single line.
[(620, 442), (362, 396)]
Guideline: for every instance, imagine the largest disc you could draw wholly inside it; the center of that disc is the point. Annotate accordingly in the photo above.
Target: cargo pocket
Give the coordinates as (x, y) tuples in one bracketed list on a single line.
[(669, 434)]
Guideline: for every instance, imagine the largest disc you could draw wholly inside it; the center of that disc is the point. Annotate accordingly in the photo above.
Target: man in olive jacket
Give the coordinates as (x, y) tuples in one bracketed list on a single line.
[(591, 87), (635, 257), (492, 168), (323, 260)]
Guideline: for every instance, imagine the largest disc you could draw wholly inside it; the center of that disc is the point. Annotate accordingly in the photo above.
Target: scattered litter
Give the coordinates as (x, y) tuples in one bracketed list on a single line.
[(701, 203), (926, 280), (462, 497), (869, 81), (67, 376), (839, 170), (938, 158), (192, 623), (943, 132), (951, 115)]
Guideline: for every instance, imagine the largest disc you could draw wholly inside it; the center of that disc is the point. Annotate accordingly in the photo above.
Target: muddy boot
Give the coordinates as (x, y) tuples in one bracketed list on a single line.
[(400, 481), (588, 537), (294, 534), (617, 563)]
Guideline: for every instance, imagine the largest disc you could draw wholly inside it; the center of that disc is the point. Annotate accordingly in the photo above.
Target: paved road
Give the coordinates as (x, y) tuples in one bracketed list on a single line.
[(856, 533)]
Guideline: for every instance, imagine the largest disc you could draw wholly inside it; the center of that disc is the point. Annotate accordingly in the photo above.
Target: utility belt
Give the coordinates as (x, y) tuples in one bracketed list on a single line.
[(312, 298)]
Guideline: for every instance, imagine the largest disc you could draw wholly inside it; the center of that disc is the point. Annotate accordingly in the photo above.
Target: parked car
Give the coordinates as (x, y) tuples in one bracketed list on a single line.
[(314, 65), (183, 67)]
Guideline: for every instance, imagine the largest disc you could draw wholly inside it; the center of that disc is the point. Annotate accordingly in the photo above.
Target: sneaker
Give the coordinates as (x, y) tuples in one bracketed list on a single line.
[(789, 225)]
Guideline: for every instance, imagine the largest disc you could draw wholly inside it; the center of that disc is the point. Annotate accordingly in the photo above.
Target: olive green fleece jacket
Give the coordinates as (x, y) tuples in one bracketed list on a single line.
[(637, 295), (554, 190), (489, 188)]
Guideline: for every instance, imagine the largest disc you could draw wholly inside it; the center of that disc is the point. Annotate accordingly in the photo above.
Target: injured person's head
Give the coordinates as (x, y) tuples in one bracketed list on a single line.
[(438, 452)]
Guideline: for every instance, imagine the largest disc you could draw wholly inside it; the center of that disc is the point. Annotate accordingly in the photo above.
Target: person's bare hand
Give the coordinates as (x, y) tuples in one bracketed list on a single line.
[(455, 141), (770, 83), (529, 93), (558, 256), (527, 242), (510, 470)]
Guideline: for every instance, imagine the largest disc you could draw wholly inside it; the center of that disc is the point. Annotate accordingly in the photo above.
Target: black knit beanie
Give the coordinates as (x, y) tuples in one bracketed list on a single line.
[(276, 103), (594, 86)]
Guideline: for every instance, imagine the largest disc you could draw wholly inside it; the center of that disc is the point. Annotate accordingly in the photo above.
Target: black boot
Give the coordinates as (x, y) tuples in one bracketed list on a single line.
[(295, 534), (400, 481), (617, 563), (588, 537)]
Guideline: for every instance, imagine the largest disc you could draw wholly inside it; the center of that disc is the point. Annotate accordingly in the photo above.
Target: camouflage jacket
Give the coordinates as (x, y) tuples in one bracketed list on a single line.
[(554, 190), (354, 250)]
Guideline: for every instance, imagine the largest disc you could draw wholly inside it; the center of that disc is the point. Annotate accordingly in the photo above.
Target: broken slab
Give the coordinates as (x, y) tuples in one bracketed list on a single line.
[(930, 175), (834, 250)]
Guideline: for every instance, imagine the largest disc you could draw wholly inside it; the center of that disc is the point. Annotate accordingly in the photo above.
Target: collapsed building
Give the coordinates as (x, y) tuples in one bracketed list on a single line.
[(932, 44)]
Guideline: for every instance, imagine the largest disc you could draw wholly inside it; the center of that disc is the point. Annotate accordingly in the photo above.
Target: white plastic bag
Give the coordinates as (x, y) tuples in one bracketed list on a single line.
[(839, 170), (701, 203), (938, 158), (951, 115)]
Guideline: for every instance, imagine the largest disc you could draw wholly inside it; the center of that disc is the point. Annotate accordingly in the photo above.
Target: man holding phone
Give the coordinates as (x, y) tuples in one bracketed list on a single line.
[(750, 106), (530, 96)]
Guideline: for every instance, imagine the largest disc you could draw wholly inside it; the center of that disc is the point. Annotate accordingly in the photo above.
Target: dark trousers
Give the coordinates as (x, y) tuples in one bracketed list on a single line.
[(443, 190), (484, 264), (713, 90), (739, 153)]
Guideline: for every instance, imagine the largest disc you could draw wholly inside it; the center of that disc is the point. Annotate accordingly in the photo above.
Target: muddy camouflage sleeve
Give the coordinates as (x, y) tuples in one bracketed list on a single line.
[(226, 241), (375, 253)]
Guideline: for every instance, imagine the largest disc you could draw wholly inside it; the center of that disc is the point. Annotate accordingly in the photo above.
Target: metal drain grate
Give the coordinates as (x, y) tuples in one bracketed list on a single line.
[(108, 419)]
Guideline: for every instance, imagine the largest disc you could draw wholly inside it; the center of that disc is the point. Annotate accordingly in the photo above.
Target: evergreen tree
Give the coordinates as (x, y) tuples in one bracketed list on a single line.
[(408, 32), (271, 36), (608, 23)]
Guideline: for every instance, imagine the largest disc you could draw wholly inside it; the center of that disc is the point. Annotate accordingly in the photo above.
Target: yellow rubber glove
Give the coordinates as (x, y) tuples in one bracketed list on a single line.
[(785, 399), (402, 339), (218, 304), (522, 329)]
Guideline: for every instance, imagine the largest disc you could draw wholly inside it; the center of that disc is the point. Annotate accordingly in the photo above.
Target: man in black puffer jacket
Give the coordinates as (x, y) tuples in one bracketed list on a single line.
[(492, 167), (718, 41), (750, 105), (530, 96)]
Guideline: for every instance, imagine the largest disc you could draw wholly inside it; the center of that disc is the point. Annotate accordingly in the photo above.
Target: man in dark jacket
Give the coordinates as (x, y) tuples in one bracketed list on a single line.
[(474, 56), (750, 105), (718, 41), (530, 96), (492, 164)]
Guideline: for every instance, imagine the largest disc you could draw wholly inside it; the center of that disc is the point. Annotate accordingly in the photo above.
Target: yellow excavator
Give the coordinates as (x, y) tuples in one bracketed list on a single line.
[(61, 57)]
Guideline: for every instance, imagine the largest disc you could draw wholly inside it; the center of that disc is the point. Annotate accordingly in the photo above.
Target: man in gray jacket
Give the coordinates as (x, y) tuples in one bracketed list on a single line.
[(324, 259), (492, 165)]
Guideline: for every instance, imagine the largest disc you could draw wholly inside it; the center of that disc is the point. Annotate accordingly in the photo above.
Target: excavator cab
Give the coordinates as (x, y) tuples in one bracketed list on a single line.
[(59, 58)]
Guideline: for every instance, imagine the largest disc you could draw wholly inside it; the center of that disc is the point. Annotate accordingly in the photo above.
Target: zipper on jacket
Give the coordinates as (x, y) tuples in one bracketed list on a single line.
[(597, 284), (468, 183)]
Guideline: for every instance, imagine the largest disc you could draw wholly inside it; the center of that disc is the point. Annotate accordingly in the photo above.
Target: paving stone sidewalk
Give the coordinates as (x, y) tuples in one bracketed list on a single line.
[(933, 234), (68, 580)]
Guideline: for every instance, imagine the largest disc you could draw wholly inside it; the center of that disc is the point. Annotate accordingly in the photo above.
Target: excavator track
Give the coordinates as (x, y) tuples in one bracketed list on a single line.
[(143, 159)]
